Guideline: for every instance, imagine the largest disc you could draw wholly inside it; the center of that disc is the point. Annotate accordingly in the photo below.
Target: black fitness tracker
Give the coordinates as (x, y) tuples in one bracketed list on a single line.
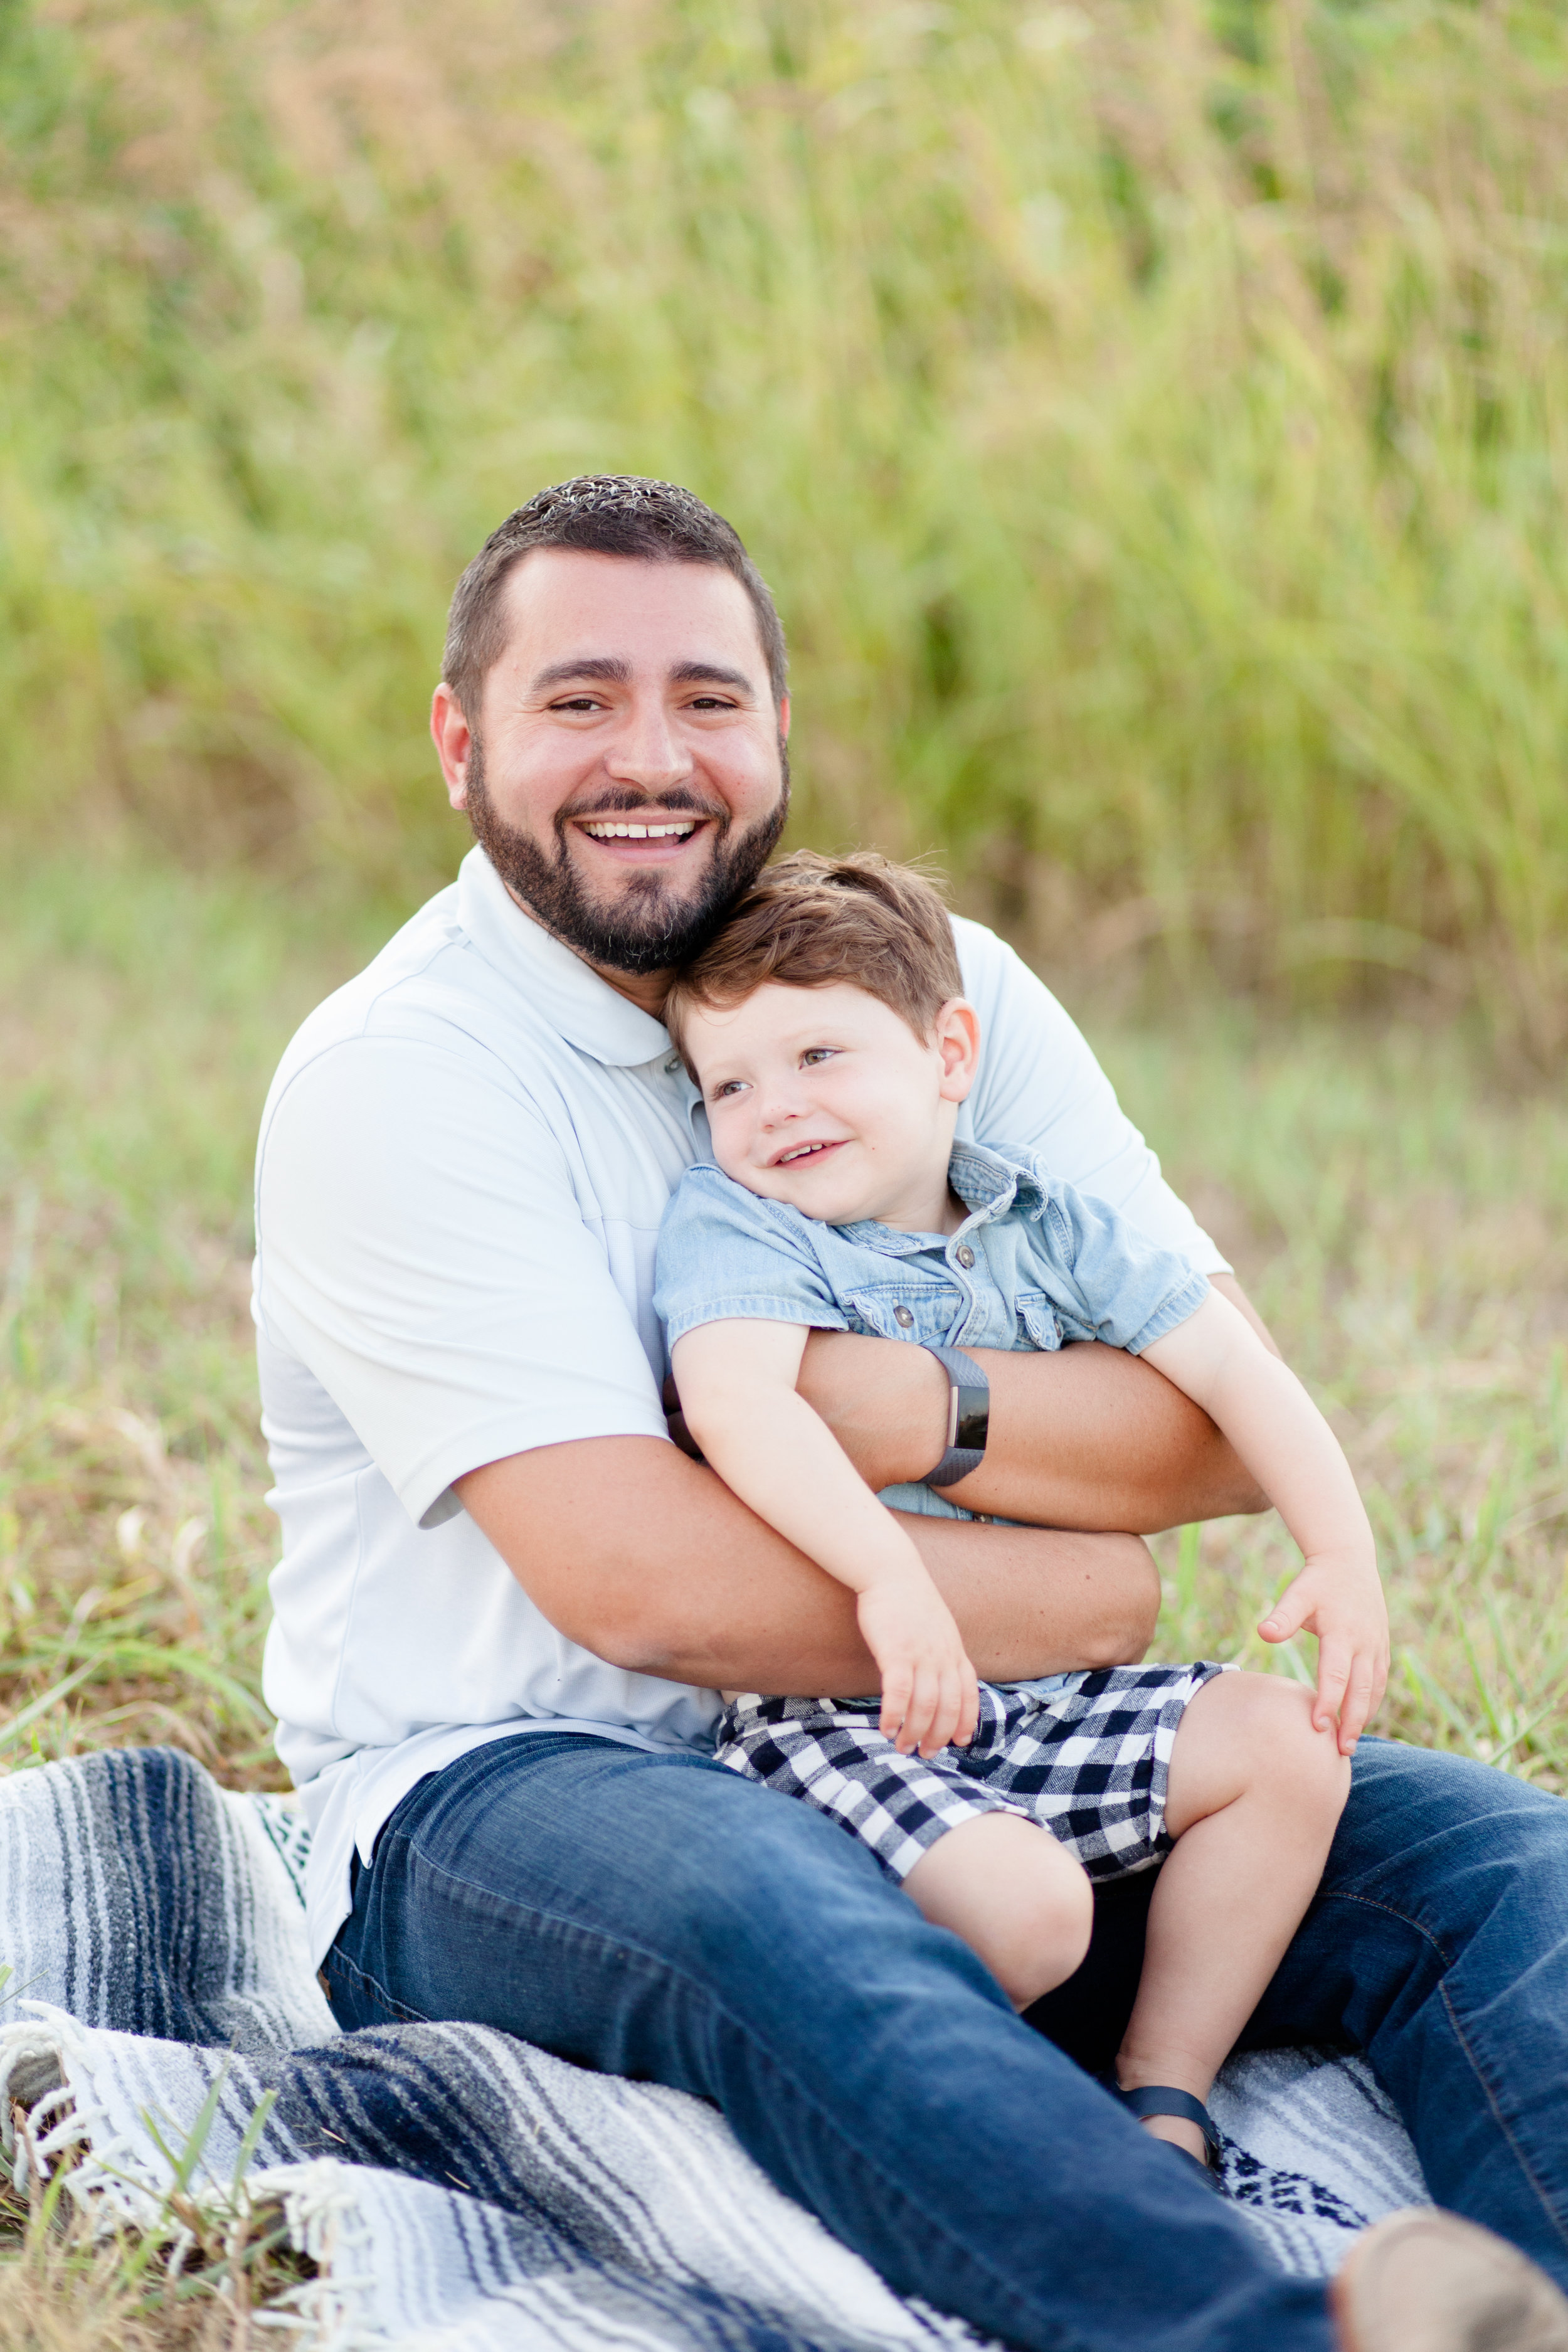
[(968, 1416)]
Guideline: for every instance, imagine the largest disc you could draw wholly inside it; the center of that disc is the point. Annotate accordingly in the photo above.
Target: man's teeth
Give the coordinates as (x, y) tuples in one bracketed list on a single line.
[(617, 829)]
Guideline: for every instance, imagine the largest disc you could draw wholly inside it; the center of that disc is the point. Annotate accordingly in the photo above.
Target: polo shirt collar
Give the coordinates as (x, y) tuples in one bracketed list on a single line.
[(562, 990)]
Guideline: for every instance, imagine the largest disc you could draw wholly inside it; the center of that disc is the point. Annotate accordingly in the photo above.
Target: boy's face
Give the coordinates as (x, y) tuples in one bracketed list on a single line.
[(825, 1098)]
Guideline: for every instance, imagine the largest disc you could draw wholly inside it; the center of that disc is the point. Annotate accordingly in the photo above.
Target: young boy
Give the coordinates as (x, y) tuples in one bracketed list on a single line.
[(828, 1032)]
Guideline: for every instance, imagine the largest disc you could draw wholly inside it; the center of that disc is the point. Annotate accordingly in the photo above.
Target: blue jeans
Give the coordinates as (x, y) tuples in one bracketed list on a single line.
[(658, 1917)]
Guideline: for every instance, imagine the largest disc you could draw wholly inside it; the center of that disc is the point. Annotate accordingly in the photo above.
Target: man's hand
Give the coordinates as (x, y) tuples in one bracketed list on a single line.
[(929, 1690), (1339, 1598)]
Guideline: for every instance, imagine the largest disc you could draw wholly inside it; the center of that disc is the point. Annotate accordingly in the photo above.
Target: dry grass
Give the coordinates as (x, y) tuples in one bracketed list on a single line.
[(64, 2289), (143, 1013), (1402, 1221)]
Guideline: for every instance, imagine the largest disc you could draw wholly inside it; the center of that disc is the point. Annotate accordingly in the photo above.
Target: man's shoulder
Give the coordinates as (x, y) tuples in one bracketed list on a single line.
[(1001, 984), (422, 964), (436, 994), (981, 953)]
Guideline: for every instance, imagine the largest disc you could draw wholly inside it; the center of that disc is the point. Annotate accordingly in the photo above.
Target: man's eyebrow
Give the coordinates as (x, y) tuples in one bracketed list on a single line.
[(608, 668), (699, 673)]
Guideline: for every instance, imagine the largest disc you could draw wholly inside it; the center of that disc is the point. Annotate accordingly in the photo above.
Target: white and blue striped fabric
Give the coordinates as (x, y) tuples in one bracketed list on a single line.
[(456, 2190)]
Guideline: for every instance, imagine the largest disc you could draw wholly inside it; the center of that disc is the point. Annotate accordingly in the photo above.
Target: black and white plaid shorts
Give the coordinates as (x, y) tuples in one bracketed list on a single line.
[(1087, 1757)]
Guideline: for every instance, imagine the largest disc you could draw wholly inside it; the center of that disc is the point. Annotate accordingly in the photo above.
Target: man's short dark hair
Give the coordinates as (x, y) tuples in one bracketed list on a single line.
[(602, 514)]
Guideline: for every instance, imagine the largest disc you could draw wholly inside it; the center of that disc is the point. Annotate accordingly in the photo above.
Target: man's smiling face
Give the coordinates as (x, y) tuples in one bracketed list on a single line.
[(626, 777)]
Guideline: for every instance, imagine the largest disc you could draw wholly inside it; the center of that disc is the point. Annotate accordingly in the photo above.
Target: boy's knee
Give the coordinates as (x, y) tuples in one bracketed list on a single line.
[(1021, 1902), (1255, 1732), (1299, 1762), (1048, 1942)]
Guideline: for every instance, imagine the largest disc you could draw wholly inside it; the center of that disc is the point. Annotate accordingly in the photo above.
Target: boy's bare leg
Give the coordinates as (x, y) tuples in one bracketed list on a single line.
[(1252, 1800), (1016, 1897)]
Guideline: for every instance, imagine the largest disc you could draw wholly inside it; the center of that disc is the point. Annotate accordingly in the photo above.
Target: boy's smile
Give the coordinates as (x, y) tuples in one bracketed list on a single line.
[(825, 1098)]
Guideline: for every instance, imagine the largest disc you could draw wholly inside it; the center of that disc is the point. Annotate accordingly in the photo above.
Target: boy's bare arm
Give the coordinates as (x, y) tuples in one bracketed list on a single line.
[(649, 1559), (1216, 1356), (1087, 1437), (737, 1382)]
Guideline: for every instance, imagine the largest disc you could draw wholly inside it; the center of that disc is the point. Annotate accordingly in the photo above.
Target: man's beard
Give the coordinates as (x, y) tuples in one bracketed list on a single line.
[(646, 930)]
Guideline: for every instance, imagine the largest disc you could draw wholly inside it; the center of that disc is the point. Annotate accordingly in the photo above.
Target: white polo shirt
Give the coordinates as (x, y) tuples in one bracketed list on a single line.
[(463, 1163)]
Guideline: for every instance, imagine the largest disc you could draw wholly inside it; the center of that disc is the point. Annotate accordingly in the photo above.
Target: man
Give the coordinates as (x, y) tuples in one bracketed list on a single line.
[(506, 1599)]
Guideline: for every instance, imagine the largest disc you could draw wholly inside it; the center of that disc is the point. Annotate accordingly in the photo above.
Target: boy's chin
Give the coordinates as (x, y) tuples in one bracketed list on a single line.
[(826, 1204)]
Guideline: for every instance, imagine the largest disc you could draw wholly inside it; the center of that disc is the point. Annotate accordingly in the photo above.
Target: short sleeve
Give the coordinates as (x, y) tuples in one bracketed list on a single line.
[(421, 1248), (1127, 1291), (1041, 1088), (725, 1255)]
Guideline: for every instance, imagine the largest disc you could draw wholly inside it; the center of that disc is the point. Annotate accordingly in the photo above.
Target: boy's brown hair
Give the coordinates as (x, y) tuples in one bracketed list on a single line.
[(810, 922)]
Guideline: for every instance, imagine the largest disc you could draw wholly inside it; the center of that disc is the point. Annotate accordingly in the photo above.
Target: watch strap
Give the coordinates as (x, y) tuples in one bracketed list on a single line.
[(968, 1416)]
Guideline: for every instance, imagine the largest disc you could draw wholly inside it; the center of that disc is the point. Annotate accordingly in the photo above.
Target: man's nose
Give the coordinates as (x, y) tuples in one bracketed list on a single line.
[(647, 751)]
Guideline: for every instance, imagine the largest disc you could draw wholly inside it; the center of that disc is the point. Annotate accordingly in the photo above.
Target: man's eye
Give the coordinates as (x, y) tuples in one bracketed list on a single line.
[(578, 703), (711, 702)]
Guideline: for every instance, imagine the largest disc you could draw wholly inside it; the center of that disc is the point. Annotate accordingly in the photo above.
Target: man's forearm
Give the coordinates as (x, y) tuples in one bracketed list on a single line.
[(1087, 1437), (647, 1559)]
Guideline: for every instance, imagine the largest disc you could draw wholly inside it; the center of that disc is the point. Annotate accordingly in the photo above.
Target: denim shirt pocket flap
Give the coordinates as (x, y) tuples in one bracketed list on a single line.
[(1039, 1320), (898, 1311)]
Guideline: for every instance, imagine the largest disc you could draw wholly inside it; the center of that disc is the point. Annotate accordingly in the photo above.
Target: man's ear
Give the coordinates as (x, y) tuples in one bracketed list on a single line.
[(454, 741), (957, 1040)]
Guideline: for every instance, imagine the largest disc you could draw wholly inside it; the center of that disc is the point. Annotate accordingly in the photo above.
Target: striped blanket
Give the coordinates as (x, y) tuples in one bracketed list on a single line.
[(457, 2190)]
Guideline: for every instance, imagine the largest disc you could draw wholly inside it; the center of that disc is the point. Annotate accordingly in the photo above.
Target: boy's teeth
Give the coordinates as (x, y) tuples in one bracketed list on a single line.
[(616, 829)]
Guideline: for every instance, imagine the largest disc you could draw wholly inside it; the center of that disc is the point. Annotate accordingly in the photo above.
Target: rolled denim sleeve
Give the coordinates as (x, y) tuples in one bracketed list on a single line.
[(1129, 1291), (724, 1255)]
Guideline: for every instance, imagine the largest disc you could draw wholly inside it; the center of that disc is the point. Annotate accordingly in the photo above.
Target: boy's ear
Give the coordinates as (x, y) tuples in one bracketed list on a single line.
[(957, 1040)]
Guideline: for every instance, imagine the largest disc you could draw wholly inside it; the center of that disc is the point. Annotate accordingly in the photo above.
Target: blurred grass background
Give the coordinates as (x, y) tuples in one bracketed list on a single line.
[(1151, 419)]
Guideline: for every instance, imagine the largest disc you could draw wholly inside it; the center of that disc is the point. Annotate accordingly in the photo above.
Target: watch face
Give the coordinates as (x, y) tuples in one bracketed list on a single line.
[(973, 1420)]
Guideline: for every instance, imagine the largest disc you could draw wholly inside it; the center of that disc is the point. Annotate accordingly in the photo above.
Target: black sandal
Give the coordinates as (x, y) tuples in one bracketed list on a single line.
[(1161, 2099)]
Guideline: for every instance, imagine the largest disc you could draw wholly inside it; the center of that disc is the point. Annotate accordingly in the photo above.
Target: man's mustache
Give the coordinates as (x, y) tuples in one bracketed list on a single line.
[(627, 801)]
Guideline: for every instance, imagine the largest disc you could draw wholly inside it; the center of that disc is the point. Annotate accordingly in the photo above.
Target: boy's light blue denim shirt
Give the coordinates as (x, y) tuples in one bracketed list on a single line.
[(1033, 1263)]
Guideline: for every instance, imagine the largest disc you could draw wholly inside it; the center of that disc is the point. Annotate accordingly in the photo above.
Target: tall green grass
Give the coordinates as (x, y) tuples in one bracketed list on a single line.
[(1153, 417)]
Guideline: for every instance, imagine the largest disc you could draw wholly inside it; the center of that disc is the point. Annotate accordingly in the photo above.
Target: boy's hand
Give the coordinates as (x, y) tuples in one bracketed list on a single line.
[(928, 1692), (1341, 1600)]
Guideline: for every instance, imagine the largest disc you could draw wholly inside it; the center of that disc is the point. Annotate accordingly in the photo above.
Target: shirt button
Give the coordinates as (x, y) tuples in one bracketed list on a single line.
[(964, 1256), (902, 1317)]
